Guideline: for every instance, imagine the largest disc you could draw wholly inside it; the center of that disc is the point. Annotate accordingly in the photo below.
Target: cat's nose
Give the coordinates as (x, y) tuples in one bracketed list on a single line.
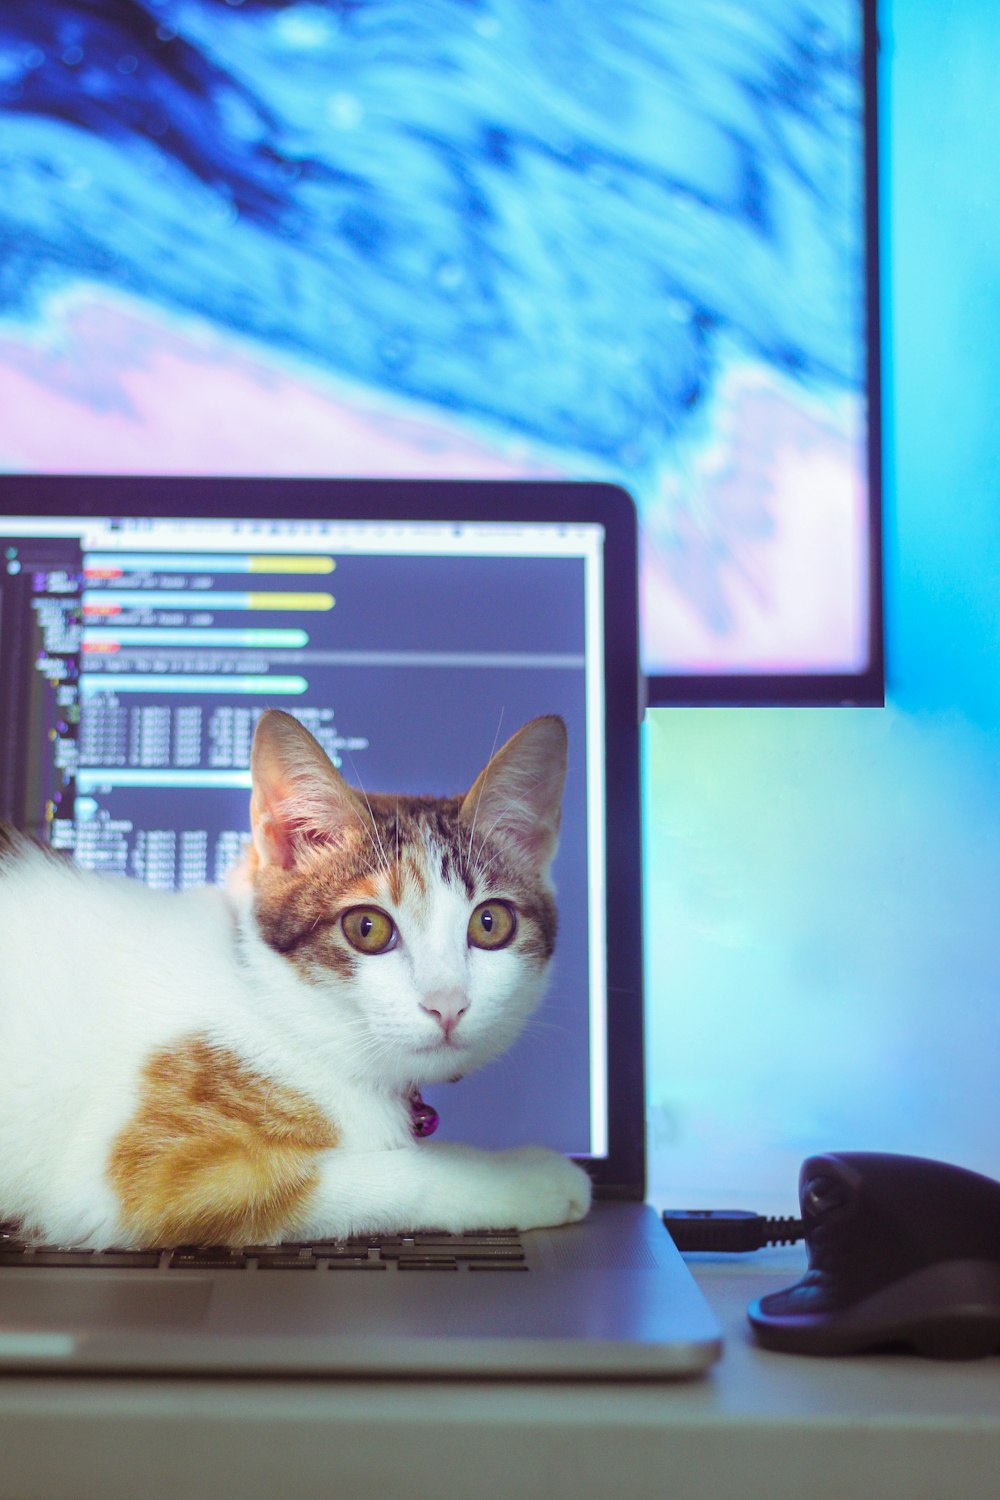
[(447, 1008)]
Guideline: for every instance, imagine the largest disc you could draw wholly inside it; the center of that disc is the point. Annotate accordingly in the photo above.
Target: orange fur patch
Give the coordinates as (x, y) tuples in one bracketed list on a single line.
[(215, 1154), (366, 888)]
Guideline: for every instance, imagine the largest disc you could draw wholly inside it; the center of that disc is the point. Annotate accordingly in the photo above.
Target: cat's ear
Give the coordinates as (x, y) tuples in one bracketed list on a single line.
[(517, 798), (299, 797)]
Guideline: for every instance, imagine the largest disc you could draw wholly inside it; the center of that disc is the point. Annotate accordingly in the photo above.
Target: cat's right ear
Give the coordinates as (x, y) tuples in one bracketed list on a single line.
[(299, 798)]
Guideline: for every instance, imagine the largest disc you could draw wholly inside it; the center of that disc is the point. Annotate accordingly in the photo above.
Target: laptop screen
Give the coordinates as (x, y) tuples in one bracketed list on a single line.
[(139, 651)]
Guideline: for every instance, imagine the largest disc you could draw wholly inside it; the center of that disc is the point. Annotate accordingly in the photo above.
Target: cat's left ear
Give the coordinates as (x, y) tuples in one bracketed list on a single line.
[(517, 798), (299, 797)]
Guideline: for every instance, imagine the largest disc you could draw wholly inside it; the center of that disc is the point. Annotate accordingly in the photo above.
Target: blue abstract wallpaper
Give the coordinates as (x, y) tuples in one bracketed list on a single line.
[(478, 237)]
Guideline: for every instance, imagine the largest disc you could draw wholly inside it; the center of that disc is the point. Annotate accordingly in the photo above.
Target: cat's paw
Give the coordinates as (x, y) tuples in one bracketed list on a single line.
[(546, 1188)]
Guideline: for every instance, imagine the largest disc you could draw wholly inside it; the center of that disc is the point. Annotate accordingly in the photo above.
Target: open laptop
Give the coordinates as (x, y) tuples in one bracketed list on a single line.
[(412, 626)]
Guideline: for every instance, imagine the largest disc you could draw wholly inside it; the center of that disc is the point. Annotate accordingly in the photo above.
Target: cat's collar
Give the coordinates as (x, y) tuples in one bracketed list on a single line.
[(423, 1116)]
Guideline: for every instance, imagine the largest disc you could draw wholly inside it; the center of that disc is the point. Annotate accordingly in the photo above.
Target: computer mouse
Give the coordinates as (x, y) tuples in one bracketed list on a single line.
[(902, 1252)]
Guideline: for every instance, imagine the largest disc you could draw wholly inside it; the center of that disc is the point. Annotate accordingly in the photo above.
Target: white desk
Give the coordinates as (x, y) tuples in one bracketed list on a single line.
[(760, 1425)]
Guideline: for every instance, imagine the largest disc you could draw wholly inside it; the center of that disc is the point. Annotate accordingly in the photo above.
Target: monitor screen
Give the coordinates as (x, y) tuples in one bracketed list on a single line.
[(140, 652), (621, 242)]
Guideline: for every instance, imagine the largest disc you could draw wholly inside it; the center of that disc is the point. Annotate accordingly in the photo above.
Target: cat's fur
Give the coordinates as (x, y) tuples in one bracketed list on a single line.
[(226, 1067)]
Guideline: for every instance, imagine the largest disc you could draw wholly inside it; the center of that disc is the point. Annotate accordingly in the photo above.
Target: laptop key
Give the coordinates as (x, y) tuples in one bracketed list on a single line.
[(426, 1263), (340, 1252), (279, 1262), (472, 1251), (462, 1240), (110, 1260), (182, 1260), (413, 1252)]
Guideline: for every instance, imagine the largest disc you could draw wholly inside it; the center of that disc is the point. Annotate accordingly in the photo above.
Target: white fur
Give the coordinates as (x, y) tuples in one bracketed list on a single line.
[(97, 974)]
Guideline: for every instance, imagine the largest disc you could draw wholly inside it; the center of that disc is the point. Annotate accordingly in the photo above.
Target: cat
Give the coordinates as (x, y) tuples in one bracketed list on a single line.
[(242, 1066)]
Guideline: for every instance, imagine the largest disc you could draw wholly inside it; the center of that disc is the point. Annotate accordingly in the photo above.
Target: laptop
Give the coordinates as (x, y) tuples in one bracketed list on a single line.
[(145, 624)]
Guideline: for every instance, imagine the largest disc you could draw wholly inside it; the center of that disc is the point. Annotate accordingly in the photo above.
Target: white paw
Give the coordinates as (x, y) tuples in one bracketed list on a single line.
[(544, 1188)]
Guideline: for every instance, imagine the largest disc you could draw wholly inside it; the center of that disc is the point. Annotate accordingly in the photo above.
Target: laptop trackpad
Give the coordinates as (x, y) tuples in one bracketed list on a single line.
[(91, 1300)]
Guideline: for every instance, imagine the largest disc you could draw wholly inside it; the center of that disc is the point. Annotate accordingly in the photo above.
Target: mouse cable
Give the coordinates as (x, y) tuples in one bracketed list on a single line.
[(728, 1229)]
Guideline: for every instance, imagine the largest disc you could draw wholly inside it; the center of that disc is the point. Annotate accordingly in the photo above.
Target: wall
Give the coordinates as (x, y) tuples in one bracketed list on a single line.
[(824, 886)]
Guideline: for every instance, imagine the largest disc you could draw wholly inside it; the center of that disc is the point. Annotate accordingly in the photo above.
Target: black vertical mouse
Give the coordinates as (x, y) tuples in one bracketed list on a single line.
[(902, 1251)]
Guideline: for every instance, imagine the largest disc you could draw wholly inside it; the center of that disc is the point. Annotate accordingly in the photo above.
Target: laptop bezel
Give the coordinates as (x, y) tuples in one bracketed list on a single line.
[(622, 1173)]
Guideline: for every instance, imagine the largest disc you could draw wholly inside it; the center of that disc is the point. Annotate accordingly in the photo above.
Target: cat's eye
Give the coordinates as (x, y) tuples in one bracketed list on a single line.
[(492, 924), (369, 929)]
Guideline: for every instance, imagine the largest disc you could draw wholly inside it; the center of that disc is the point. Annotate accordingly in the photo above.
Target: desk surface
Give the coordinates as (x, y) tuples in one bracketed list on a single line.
[(759, 1424)]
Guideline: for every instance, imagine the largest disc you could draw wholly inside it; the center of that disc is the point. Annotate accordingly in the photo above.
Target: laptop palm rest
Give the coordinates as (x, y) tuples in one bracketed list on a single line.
[(77, 1300)]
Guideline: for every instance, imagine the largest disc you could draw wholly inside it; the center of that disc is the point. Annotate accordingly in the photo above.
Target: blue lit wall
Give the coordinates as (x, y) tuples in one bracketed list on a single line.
[(824, 954)]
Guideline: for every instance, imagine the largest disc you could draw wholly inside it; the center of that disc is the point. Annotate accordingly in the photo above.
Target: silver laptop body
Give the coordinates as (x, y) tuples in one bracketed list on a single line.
[(471, 607)]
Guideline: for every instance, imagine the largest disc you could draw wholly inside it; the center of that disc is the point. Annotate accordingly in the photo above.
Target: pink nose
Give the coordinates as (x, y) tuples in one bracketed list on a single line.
[(447, 1007)]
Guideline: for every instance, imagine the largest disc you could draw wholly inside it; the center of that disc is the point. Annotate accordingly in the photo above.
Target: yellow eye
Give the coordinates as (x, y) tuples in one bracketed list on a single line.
[(368, 929), (492, 925)]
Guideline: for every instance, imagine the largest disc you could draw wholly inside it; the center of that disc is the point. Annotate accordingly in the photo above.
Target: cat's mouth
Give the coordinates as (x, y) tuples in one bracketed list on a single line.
[(448, 1058), (444, 1044)]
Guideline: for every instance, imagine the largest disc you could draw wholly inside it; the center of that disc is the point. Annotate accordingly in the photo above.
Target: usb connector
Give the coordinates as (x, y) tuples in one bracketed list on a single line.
[(728, 1229)]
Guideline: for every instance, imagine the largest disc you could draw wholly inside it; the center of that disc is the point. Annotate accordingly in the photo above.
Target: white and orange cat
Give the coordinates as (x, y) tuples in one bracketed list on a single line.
[(240, 1066)]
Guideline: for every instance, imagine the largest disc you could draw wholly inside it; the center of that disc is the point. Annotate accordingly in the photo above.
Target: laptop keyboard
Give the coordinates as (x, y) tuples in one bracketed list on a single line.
[(487, 1250)]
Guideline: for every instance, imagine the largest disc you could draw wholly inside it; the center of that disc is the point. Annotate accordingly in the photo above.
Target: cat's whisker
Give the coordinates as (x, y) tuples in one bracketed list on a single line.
[(363, 1043), (486, 864), (515, 802), (368, 829), (537, 1024), (372, 826), (482, 789), (381, 847)]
